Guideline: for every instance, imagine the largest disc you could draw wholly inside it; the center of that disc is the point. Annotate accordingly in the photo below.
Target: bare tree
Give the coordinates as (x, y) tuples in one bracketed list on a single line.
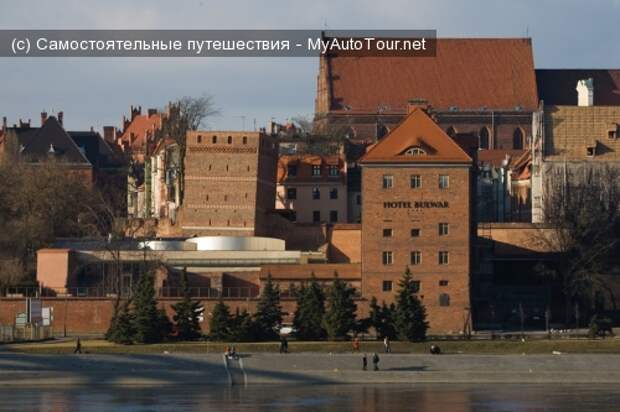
[(183, 115), (582, 212)]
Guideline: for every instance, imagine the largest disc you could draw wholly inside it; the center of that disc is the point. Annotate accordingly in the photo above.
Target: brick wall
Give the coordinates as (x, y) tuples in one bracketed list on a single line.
[(229, 183), (375, 218)]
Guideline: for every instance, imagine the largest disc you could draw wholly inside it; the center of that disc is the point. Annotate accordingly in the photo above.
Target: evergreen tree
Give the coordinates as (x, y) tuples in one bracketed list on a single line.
[(308, 320), (147, 318), (242, 329), (187, 313), (268, 312), (220, 322), (387, 327), (339, 318), (122, 326), (410, 316), (375, 315), (165, 326)]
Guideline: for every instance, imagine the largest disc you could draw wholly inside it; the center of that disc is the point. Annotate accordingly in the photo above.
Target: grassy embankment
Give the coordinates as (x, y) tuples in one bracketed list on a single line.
[(492, 347)]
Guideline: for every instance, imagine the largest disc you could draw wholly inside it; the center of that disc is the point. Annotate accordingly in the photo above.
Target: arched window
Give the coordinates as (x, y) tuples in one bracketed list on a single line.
[(382, 131), (517, 139), (415, 151), (483, 142), (451, 131)]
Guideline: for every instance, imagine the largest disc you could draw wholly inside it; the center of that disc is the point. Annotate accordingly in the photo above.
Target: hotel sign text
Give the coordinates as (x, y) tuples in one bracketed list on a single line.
[(420, 204)]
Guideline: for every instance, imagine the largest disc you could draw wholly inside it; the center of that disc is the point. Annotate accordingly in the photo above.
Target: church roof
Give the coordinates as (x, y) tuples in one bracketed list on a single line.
[(468, 74)]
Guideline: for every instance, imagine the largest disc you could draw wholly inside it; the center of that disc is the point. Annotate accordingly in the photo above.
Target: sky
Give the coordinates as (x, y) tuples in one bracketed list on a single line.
[(99, 91)]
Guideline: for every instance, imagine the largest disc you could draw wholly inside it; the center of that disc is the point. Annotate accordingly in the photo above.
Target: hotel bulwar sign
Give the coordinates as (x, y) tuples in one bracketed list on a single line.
[(418, 204)]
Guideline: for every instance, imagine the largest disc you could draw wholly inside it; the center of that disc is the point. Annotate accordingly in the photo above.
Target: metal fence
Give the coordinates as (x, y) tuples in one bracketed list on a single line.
[(101, 292), (23, 333)]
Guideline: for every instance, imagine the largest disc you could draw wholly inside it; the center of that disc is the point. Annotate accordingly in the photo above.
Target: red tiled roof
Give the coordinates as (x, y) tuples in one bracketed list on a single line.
[(495, 157), (420, 131), (556, 87), (467, 73), (304, 165), (140, 127)]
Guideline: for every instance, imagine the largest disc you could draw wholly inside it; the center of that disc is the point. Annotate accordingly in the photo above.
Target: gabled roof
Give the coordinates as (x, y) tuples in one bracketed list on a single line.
[(417, 130), (39, 143), (556, 87), (95, 148), (466, 73)]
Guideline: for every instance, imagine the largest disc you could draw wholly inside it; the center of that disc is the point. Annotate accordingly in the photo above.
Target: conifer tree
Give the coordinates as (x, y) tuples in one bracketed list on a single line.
[(308, 320), (147, 317), (187, 313), (268, 315), (219, 325), (122, 326), (410, 316), (242, 327), (339, 317)]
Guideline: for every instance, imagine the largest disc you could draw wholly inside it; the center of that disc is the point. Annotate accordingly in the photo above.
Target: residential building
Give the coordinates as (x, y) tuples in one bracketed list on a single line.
[(313, 187)]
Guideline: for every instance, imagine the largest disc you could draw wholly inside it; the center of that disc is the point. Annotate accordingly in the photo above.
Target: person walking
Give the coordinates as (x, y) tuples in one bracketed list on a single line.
[(364, 363), (283, 344), (386, 345), (375, 361), (78, 346)]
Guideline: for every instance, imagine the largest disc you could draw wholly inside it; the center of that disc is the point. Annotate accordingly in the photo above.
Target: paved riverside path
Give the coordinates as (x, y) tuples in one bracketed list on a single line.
[(267, 368)]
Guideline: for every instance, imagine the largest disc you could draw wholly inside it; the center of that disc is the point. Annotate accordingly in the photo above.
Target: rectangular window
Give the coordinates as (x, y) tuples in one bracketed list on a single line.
[(333, 216), (292, 170), (316, 216), (444, 181), (388, 181), (334, 171), (416, 181), (443, 283), (333, 193), (444, 299), (388, 258), (387, 232), (387, 285), (291, 193), (416, 257), (443, 257), (316, 170), (316, 193), (415, 232), (443, 229)]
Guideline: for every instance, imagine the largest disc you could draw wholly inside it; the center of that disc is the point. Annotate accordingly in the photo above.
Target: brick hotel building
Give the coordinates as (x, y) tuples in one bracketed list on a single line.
[(415, 213)]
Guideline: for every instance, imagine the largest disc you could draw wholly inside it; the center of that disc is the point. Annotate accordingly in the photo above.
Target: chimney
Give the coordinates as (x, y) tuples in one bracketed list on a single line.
[(585, 92), (109, 134), (4, 123), (417, 104), (43, 118), (61, 116), (152, 112)]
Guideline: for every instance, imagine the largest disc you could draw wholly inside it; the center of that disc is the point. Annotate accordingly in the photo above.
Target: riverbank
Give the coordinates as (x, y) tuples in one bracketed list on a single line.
[(494, 347), (121, 370)]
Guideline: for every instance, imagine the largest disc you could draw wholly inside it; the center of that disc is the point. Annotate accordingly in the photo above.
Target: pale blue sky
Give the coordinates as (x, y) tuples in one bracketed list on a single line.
[(97, 92)]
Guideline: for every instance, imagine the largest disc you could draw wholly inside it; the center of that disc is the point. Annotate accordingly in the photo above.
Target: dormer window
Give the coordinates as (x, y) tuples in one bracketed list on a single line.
[(415, 151)]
